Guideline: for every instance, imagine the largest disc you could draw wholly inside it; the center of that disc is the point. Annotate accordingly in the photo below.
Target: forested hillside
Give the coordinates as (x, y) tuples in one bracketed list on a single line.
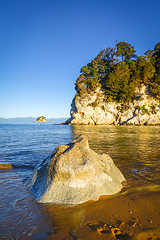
[(118, 71)]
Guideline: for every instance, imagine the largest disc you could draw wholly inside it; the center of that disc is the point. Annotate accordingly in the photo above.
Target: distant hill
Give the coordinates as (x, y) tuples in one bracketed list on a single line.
[(29, 120)]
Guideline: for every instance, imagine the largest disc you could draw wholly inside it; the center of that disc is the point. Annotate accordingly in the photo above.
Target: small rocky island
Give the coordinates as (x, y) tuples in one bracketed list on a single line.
[(118, 87), (74, 174), (41, 119)]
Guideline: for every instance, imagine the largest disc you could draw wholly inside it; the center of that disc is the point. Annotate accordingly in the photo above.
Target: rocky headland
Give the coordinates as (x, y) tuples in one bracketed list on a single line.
[(91, 109), (75, 174), (118, 87)]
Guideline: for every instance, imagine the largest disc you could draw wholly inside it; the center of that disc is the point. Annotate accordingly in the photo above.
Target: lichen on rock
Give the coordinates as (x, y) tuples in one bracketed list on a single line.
[(75, 174)]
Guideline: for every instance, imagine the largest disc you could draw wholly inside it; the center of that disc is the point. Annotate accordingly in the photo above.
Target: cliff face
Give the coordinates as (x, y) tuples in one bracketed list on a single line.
[(91, 109)]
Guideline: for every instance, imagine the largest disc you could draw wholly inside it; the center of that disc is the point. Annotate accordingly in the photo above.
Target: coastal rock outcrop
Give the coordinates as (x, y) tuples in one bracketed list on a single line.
[(74, 174), (92, 109), (41, 119)]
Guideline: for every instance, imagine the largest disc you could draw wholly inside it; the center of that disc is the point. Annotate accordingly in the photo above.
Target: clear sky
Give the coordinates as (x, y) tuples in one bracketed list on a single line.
[(44, 44)]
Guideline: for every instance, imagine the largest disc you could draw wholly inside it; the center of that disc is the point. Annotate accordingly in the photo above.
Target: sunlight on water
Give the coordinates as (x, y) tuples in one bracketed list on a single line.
[(21, 217), (134, 149)]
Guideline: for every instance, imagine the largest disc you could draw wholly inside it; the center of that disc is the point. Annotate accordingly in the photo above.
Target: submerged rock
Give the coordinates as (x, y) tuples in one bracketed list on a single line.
[(74, 174), (5, 166)]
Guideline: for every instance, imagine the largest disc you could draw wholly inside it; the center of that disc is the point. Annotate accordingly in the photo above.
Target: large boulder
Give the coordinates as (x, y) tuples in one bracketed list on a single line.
[(74, 174)]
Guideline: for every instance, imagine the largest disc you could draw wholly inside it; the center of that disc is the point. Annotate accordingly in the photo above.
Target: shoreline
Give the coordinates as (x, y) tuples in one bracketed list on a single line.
[(133, 215), (123, 124)]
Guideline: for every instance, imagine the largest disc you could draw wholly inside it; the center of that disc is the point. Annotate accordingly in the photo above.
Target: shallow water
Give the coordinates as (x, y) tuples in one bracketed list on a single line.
[(134, 149)]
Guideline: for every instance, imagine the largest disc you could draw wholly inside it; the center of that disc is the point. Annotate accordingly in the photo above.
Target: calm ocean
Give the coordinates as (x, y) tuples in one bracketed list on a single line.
[(134, 149)]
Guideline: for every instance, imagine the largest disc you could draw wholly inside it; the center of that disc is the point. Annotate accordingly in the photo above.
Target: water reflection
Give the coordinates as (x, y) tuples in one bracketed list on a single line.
[(134, 212), (65, 219), (21, 217), (134, 149)]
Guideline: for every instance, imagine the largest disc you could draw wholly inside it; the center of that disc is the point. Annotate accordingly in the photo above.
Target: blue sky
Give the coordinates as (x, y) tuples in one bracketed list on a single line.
[(44, 43)]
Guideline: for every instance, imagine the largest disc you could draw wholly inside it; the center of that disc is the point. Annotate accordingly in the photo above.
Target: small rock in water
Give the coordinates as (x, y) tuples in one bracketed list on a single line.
[(75, 174)]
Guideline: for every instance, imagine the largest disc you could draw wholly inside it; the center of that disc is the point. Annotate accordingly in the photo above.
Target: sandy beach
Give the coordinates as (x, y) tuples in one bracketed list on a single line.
[(134, 213), (131, 215)]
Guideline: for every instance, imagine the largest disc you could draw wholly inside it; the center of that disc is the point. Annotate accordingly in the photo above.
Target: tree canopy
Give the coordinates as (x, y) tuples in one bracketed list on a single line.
[(118, 71)]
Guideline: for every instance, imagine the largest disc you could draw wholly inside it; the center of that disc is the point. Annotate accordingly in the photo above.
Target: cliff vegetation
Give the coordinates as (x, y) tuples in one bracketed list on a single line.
[(118, 87), (118, 71)]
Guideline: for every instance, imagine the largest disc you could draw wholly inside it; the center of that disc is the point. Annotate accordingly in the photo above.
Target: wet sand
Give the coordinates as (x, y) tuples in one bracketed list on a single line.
[(20, 216), (135, 214), (132, 215)]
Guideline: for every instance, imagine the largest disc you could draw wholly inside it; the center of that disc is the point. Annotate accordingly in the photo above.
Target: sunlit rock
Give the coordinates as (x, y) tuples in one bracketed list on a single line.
[(74, 174), (41, 119), (92, 109), (5, 166)]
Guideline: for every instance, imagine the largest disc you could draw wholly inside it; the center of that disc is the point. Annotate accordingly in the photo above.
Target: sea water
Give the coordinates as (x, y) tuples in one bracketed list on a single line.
[(134, 149)]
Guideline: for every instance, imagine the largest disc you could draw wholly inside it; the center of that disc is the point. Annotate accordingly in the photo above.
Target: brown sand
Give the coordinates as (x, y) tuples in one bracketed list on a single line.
[(133, 215)]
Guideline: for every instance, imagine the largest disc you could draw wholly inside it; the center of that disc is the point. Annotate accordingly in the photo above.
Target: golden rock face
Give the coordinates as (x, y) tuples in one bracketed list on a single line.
[(6, 166), (75, 174), (92, 109)]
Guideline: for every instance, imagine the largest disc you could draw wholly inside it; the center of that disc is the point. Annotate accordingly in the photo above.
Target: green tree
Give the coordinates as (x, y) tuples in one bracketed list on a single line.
[(118, 71), (145, 70), (156, 56), (155, 86), (126, 51), (80, 85), (118, 84)]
